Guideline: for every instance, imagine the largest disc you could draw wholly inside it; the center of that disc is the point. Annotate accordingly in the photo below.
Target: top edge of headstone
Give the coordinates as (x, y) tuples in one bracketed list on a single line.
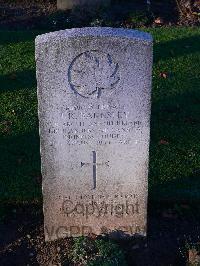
[(95, 32)]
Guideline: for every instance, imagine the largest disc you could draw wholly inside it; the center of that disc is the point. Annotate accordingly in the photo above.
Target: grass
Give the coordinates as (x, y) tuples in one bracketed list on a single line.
[(87, 251), (175, 123)]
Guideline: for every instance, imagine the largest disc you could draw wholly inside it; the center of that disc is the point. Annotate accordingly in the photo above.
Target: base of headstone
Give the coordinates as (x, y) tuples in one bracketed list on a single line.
[(69, 4)]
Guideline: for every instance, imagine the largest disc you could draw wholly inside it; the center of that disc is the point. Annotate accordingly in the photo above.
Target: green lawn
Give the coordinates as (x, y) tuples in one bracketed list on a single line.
[(175, 128)]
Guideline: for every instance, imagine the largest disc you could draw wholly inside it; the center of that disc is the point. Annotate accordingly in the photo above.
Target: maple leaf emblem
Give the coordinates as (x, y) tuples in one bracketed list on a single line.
[(92, 72)]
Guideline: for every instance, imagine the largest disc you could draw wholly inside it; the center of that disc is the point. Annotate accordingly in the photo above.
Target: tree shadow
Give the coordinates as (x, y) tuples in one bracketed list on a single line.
[(12, 36), (181, 190), (18, 80), (20, 168), (176, 48), (174, 147)]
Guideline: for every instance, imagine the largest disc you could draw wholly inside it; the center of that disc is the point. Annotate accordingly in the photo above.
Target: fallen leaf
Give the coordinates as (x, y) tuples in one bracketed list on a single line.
[(163, 75), (195, 13), (163, 142), (159, 21)]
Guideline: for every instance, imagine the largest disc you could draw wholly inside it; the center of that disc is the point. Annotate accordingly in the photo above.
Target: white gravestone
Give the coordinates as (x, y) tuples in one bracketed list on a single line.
[(94, 89)]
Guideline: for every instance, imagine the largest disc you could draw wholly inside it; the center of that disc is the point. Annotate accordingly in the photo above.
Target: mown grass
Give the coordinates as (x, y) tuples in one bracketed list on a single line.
[(175, 123)]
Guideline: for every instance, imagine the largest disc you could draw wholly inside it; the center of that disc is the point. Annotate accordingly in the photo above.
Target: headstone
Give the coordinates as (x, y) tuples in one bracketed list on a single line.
[(94, 87), (69, 4)]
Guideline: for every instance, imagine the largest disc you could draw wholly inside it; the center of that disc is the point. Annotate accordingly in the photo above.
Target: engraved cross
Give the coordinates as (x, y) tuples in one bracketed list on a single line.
[(94, 164)]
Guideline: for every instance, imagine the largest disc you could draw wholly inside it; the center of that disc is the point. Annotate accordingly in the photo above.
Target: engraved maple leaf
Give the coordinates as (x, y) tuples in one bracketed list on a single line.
[(93, 72)]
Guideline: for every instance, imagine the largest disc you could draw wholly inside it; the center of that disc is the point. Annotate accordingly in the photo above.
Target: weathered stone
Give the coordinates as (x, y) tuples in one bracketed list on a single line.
[(94, 87), (69, 4)]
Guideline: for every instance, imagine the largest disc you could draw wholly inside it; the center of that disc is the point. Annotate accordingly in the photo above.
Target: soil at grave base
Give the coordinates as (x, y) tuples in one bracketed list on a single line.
[(36, 14), (23, 14), (22, 240)]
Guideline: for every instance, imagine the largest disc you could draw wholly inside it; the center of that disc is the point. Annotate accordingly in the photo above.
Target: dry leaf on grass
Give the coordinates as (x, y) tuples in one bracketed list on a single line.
[(163, 75), (163, 142), (159, 21)]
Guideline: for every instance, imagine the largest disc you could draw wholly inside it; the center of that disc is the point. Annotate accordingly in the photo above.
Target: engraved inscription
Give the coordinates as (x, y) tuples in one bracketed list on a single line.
[(93, 72), (100, 124)]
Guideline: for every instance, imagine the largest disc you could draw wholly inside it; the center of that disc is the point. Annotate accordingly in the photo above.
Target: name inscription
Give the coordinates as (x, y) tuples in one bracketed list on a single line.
[(100, 124)]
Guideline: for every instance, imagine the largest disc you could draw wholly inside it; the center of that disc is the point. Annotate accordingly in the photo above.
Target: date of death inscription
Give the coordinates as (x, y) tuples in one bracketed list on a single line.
[(100, 126)]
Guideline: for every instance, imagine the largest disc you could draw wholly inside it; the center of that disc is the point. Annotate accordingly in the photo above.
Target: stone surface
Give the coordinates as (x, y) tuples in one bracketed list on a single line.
[(94, 88), (69, 4)]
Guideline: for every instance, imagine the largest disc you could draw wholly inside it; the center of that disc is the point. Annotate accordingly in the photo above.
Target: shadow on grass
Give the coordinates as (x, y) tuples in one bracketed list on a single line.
[(175, 148), (175, 48), (47, 22), (18, 80), (20, 168), (181, 190), (11, 37)]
